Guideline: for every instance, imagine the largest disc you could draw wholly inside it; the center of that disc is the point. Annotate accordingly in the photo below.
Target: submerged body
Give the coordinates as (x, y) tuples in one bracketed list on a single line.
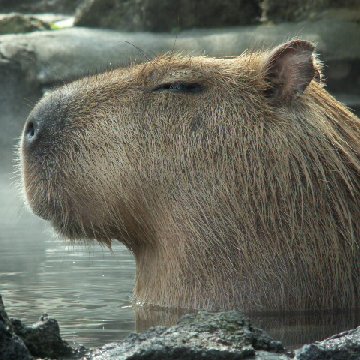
[(235, 182)]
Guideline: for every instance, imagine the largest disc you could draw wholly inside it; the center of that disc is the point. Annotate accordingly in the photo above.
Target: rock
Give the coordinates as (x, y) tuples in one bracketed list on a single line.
[(17, 23), (299, 10), (3, 316), (40, 6), (11, 346), (42, 338), (164, 15), (344, 346), (208, 336)]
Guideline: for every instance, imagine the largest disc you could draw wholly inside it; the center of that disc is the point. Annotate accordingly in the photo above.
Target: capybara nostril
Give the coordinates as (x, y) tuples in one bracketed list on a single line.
[(30, 130)]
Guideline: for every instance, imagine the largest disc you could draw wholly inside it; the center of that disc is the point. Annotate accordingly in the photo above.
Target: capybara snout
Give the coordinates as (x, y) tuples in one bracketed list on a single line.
[(235, 182)]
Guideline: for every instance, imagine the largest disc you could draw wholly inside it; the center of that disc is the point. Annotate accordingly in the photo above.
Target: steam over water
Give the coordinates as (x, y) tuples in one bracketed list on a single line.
[(88, 288)]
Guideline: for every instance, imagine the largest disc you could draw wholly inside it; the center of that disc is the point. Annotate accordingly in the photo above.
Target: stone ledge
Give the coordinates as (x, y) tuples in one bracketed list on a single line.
[(70, 53)]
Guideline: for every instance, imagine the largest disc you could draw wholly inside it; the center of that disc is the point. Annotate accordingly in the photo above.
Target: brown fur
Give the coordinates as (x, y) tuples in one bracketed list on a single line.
[(226, 198)]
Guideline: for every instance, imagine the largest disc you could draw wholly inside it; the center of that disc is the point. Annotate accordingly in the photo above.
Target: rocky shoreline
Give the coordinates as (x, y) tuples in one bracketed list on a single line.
[(207, 336)]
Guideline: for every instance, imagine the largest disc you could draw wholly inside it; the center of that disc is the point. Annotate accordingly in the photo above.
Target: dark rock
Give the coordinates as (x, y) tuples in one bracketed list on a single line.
[(225, 335), (42, 338), (39, 6), (344, 346), (11, 346), (3, 315), (299, 10), (164, 15), (18, 23)]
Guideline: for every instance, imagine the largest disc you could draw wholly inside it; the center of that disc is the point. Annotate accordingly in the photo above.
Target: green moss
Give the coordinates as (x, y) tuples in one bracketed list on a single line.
[(53, 26)]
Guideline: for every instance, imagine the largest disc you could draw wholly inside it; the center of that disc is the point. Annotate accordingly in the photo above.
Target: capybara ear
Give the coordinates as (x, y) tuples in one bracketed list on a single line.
[(289, 69)]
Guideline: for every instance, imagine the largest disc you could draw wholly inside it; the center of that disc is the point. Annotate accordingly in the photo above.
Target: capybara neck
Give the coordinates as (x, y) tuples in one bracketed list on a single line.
[(235, 182), (277, 244)]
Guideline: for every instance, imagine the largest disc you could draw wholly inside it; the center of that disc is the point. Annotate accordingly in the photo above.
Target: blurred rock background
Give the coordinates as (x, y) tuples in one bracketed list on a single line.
[(165, 15), (44, 43), (39, 6), (170, 15)]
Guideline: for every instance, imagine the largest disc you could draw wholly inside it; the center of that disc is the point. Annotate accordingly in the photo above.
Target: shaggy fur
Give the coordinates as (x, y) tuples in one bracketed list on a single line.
[(244, 194)]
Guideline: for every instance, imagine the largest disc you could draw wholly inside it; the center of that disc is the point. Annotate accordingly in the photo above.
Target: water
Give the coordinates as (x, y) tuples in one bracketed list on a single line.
[(88, 288)]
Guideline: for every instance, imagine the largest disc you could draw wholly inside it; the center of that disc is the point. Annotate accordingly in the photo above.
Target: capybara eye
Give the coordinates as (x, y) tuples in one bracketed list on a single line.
[(180, 87)]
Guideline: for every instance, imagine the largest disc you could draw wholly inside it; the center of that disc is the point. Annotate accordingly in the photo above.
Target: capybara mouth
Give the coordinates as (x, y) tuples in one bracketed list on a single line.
[(40, 186), (44, 202), (51, 200), (65, 219)]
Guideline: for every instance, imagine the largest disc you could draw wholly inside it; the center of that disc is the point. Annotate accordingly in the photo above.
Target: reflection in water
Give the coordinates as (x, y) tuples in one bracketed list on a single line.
[(88, 289), (295, 329)]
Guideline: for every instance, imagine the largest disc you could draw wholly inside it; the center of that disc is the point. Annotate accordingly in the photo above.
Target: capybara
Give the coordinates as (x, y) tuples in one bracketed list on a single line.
[(235, 182)]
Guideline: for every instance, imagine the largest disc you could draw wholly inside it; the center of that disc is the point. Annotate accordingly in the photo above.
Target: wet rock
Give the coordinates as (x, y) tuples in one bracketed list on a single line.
[(3, 315), (208, 336), (18, 23), (344, 346), (11, 346), (164, 15), (42, 338)]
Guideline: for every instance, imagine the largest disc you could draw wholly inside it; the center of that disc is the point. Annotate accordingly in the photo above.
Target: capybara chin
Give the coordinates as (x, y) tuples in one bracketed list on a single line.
[(235, 182)]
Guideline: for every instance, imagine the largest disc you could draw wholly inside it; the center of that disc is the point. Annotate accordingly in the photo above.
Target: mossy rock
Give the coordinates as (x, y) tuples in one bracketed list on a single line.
[(17, 23)]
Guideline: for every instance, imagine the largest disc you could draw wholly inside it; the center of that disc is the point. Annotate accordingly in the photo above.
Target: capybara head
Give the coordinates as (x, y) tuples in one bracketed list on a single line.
[(235, 182)]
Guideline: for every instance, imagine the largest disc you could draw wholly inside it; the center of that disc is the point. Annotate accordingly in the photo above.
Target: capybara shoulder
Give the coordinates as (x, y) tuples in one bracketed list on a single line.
[(235, 182)]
